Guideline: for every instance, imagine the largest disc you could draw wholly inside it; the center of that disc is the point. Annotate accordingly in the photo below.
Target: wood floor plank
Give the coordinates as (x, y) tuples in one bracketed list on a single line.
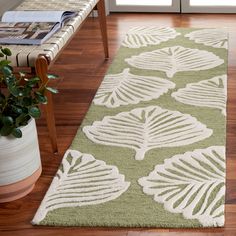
[(81, 68)]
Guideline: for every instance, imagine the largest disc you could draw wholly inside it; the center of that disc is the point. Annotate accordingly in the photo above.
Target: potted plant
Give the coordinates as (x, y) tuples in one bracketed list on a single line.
[(20, 99)]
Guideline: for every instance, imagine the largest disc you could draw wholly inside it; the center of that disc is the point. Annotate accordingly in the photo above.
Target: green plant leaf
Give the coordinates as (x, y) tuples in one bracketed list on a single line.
[(16, 110), (2, 97), (13, 90), (52, 90), (40, 97), (4, 63), (6, 70), (33, 81), (1, 54), (22, 118), (7, 120), (17, 132), (51, 76), (10, 80), (6, 51), (34, 112), (27, 101), (6, 130), (26, 91)]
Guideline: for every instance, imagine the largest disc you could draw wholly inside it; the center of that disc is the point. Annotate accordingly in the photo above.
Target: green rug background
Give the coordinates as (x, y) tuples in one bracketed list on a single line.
[(134, 208)]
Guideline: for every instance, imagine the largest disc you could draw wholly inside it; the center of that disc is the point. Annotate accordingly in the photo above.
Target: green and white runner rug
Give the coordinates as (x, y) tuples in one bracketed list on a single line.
[(151, 150)]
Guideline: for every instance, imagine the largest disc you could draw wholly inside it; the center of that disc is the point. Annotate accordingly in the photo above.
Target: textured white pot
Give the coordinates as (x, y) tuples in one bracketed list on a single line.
[(19, 161)]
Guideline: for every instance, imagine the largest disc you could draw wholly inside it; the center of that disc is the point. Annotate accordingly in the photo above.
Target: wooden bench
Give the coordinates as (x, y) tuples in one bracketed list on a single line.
[(40, 58)]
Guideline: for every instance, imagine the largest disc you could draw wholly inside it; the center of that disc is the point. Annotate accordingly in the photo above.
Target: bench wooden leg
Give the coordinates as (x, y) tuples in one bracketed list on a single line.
[(41, 67), (103, 25)]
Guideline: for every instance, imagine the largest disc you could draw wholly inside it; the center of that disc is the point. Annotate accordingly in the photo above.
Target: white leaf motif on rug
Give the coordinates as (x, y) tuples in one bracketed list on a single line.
[(82, 180), (143, 36), (143, 129), (126, 88), (175, 59), (210, 37), (192, 184), (206, 93)]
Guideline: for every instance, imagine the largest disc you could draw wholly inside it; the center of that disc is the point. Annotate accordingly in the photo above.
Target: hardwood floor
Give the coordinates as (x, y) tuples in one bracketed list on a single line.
[(82, 67)]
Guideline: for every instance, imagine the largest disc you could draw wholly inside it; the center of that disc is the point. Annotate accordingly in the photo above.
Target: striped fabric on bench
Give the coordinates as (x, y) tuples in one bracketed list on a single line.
[(26, 55)]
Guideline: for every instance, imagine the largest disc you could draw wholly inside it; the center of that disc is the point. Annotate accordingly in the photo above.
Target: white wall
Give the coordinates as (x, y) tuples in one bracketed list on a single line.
[(107, 7), (6, 5)]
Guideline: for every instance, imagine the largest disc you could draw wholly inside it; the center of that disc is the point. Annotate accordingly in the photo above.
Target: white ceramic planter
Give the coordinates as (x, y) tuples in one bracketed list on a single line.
[(20, 164)]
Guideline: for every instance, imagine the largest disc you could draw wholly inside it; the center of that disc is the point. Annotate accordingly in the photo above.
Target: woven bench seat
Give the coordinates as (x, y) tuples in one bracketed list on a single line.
[(25, 55), (39, 58)]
